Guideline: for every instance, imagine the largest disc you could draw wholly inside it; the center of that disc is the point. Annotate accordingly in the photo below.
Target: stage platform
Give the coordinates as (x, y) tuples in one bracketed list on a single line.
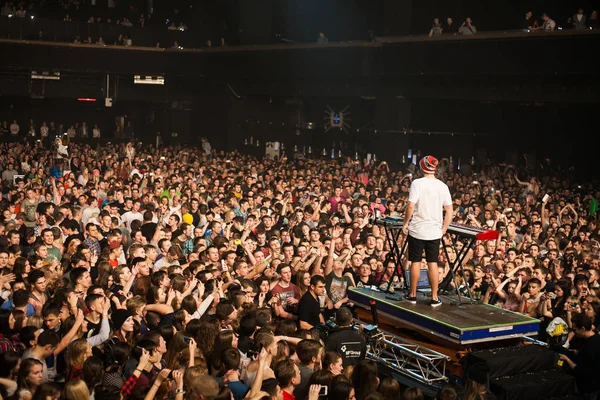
[(462, 324)]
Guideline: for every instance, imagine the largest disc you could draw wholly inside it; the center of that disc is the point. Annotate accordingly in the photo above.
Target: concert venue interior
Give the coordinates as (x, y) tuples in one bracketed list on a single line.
[(194, 191)]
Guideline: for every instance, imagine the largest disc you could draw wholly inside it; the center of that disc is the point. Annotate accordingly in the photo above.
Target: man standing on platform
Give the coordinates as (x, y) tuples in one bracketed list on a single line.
[(425, 225)]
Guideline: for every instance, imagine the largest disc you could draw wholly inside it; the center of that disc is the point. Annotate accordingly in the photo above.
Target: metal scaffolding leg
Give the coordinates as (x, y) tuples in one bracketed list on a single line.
[(408, 358)]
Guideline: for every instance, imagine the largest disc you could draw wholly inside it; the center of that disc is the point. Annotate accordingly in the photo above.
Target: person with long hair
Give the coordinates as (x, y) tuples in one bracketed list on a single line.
[(77, 352), (283, 352), (592, 310), (321, 377), (342, 391), (10, 362), (263, 340), (76, 389), (70, 251), (390, 389), (412, 393), (477, 383), (123, 327), (364, 378), (93, 373), (84, 177), (264, 295), (22, 268), (207, 332), (197, 384), (225, 393), (11, 323), (29, 378), (333, 363), (224, 340), (512, 296), (47, 391), (448, 392), (302, 280), (105, 277), (179, 343), (149, 356), (553, 305), (120, 353)]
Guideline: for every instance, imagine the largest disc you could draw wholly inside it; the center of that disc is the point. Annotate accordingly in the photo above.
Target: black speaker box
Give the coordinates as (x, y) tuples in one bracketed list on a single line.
[(542, 385), (514, 360)]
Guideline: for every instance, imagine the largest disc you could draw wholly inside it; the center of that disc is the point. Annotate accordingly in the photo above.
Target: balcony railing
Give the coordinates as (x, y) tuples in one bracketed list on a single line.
[(67, 32)]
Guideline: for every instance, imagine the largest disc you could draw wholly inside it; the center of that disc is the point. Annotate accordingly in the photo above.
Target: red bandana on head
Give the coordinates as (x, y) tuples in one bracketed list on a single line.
[(429, 164)]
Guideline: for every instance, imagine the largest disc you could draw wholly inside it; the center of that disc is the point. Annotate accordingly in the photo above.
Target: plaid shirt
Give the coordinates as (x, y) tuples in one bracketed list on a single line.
[(93, 244), (188, 247), (11, 343), (129, 385)]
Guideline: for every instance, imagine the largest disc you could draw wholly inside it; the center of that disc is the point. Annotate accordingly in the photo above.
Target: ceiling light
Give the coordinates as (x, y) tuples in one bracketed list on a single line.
[(149, 80), (54, 76)]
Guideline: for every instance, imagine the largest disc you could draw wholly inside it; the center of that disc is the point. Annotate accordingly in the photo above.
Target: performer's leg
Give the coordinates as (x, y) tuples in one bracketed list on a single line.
[(433, 275), (415, 274), (432, 249)]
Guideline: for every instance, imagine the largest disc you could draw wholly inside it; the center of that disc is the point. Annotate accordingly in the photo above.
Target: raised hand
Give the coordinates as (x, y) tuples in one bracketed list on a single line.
[(144, 359), (79, 317), (162, 375), (178, 378), (201, 289), (337, 232), (313, 392), (261, 298)]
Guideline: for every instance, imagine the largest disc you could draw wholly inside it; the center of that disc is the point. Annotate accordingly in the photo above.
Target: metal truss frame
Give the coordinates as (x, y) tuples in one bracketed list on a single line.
[(408, 358)]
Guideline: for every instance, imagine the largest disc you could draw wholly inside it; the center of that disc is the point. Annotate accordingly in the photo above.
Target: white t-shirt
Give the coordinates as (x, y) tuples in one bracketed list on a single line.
[(131, 216), (429, 196), (88, 213), (549, 25)]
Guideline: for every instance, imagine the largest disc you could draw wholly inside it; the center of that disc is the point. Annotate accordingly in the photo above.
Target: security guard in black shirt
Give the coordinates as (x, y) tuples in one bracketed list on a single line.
[(344, 340)]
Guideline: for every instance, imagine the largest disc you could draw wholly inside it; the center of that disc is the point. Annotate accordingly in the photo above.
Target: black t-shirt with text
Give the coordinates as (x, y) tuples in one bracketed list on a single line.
[(349, 344)]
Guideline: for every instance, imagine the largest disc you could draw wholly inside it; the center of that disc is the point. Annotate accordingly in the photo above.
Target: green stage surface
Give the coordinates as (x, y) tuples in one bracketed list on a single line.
[(460, 323)]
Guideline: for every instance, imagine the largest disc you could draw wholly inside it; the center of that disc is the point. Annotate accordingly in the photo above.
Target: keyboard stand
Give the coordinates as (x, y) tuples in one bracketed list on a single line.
[(455, 267), (392, 234)]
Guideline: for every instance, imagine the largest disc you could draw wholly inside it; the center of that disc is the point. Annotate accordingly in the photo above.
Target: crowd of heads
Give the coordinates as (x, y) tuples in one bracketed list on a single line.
[(140, 272)]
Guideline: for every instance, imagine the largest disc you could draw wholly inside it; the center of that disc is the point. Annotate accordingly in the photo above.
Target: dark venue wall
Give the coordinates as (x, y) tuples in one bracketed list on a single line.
[(301, 21), (546, 129), (256, 21)]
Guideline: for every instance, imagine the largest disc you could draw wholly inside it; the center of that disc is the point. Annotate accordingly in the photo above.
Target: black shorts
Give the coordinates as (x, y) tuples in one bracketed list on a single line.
[(416, 247)]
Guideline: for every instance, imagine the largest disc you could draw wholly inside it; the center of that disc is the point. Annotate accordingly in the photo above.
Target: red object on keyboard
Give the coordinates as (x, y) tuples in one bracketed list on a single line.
[(488, 235)]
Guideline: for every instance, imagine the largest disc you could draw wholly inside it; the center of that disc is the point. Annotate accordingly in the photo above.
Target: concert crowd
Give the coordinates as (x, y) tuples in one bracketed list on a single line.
[(134, 272)]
